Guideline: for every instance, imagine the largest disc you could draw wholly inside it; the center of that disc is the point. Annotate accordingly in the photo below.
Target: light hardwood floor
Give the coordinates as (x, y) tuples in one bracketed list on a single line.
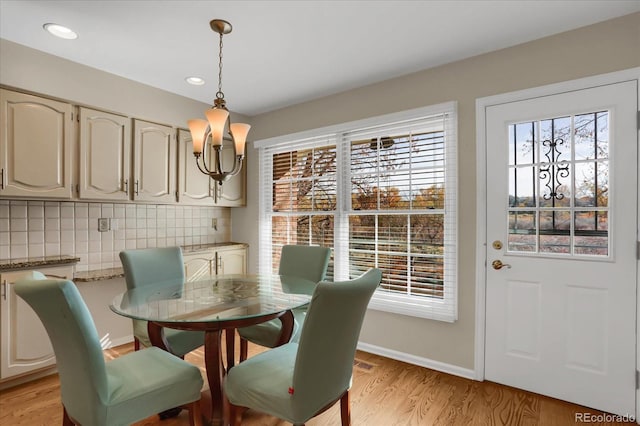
[(385, 392)]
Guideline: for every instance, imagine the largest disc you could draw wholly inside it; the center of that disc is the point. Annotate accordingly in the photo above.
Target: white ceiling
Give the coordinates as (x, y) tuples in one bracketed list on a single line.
[(285, 52)]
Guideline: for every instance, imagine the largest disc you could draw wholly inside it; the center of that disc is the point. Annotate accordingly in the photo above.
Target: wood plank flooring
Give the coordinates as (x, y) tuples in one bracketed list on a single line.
[(385, 392)]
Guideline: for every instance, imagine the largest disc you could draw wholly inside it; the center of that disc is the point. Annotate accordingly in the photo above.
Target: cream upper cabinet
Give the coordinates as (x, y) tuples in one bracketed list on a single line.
[(231, 193), (194, 187), (24, 342), (105, 155), (155, 162), (36, 139)]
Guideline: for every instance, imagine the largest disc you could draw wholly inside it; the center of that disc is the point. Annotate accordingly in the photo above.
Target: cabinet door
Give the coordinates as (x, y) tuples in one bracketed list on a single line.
[(35, 146), (155, 167), (194, 186), (24, 341), (232, 261), (232, 192), (199, 266), (105, 153)]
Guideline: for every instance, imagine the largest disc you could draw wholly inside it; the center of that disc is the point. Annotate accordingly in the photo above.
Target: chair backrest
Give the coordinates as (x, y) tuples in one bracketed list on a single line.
[(152, 266), (309, 262), (79, 358), (328, 340)]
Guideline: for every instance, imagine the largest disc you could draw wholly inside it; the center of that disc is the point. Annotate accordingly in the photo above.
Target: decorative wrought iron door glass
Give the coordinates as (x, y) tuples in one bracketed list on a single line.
[(559, 185)]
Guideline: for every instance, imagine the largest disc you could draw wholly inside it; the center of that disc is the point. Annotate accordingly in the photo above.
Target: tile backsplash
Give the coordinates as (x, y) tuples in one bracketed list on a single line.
[(50, 228)]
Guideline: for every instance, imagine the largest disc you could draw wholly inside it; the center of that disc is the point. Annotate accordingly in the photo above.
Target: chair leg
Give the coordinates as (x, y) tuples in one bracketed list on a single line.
[(170, 413), (230, 335), (195, 415), (244, 349), (66, 420), (345, 409), (235, 414), (136, 344)]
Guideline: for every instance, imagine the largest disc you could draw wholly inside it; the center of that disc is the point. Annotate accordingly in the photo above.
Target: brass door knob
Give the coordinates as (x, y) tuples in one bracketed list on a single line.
[(497, 264)]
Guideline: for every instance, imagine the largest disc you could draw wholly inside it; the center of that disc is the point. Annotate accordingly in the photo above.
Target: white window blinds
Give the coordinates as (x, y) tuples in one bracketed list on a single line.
[(298, 198), (381, 193)]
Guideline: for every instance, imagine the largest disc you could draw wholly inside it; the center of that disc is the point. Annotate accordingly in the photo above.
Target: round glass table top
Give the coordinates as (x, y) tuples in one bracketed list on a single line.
[(220, 298)]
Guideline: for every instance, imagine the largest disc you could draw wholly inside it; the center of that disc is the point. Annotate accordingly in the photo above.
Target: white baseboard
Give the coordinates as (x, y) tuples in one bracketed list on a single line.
[(117, 342), (416, 360), (378, 350), (15, 381)]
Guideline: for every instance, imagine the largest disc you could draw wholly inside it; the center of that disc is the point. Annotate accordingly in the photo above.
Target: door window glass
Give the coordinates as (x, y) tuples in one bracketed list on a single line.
[(559, 185)]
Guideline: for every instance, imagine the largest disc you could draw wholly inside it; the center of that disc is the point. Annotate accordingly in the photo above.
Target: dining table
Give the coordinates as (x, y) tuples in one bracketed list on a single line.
[(213, 305)]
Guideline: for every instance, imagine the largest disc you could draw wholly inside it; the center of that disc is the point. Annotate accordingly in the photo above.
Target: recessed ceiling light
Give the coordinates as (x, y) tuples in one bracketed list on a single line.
[(60, 31), (196, 81)]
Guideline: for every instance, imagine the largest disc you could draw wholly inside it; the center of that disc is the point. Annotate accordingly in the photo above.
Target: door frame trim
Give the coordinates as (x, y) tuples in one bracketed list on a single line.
[(481, 190)]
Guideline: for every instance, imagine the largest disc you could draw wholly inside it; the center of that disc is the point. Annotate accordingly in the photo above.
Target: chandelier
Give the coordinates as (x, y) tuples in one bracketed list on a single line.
[(211, 130)]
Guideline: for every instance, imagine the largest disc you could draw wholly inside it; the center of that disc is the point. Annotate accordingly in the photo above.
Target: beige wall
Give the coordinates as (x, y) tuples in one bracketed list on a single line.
[(609, 46)]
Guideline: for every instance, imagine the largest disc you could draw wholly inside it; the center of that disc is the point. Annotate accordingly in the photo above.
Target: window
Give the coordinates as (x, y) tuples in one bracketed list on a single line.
[(382, 193), (302, 184)]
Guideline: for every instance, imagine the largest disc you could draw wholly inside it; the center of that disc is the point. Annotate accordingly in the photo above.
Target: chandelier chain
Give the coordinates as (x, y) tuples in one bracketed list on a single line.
[(220, 94)]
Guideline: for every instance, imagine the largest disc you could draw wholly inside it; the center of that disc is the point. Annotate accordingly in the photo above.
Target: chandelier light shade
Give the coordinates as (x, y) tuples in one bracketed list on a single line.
[(212, 130)]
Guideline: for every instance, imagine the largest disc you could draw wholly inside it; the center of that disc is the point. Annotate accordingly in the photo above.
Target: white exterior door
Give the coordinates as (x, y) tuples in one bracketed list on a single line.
[(562, 218)]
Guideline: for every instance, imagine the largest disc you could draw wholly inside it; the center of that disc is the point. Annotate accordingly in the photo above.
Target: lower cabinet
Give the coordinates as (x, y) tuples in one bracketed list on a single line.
[(200, 265), (25, 345), (232, 261), (215, 261)]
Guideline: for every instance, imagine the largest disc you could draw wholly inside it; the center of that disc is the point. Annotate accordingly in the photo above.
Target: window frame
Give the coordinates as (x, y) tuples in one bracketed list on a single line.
[(445, 309)]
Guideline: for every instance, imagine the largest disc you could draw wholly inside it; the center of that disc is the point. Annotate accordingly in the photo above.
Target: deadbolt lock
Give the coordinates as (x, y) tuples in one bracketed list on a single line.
[(497, 244)]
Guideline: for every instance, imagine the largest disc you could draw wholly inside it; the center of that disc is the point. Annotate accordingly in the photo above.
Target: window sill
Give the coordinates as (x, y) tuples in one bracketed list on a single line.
[(413, 307)]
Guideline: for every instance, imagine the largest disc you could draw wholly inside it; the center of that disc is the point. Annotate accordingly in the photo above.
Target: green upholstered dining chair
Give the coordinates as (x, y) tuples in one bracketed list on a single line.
[(147, 267), (308, 262), (96, 392), (299, 380)]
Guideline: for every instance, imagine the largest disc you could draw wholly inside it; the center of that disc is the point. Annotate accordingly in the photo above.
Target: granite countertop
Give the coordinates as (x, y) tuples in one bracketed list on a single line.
[(202, 247), (98, 275), (31, 262)]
